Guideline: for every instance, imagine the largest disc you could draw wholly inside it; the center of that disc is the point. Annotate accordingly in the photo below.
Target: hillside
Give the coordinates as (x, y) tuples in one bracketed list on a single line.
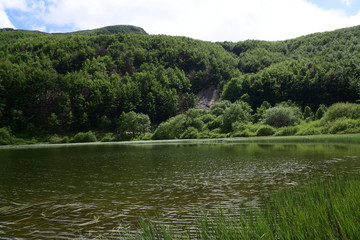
[(93, 32), (85, 80)]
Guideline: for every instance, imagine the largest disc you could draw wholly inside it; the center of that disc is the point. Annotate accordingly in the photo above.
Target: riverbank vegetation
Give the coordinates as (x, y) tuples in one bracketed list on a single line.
[(319, 209), (119, 86)]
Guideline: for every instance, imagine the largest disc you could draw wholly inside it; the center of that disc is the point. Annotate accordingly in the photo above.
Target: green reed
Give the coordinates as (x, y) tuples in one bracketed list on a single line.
[(321, 209)]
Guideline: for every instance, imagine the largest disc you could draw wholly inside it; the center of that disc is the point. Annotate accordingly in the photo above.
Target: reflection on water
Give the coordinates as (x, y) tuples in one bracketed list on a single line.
[(68, 191)]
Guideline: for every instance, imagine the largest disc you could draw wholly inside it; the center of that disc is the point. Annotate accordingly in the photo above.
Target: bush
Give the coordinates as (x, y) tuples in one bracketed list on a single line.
[(321, 111), (84, 137), (265, 131), (171, 129), (5, 136), (287, 131), (147, 136), (190, 133), (345, 126), (308, 114), (237, 112), (342, 110), (282, 116), (109, 137), (244, 133), (309, 131)]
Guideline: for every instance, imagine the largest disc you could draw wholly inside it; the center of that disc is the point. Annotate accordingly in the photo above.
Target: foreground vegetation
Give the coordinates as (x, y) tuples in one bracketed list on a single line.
[(320, 209)]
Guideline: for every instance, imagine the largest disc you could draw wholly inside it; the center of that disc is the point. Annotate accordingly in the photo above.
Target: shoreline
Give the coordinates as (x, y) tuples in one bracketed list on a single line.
[(328, 138)]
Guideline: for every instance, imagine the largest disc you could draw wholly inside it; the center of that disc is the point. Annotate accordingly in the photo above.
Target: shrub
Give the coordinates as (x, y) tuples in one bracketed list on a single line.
[(287, 131), (216, 123), (55, 139), (237, 112), (109, 137), (345, 126), (84, 137), (244, 133), (321, 111), (147, 136), (170, 129), (308, 114), (131, 124), (309, 131), (282, 116), (342, 110), (5, 136), (190, 133), (265, 131)]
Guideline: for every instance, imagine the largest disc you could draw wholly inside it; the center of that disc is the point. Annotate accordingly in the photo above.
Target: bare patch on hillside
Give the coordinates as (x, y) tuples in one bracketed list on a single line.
[(208, 97)]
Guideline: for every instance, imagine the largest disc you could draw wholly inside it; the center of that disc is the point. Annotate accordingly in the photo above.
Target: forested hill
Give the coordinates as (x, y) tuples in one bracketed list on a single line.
[(99, 31), (77, 82)]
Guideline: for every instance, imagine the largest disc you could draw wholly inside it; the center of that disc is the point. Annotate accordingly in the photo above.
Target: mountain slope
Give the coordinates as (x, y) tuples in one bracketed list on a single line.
[(93, 32), (85, 80)]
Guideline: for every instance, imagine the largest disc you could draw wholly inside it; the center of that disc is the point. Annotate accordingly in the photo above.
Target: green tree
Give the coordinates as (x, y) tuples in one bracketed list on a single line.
[(320, 111), (131, 124), (237, 112), (308, 113), (282, 116)]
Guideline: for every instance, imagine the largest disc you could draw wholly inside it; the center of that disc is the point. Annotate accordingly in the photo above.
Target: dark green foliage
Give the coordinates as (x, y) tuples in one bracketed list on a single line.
[(260, 111), (57, 140), (287, 131), (218, 108), (265, 131), (131, 125), (237, 112), (84, 81), (77, 82), (190, 133), (112, 30), (171, 129), (309, 131), (342, 110), (5, 136), (282, 116), (109, 137), (321, 111), (342, 126), (83, 137), (308, 113)]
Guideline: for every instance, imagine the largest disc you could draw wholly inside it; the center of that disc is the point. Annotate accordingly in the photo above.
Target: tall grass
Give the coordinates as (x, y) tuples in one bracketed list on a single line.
[(322, 209)]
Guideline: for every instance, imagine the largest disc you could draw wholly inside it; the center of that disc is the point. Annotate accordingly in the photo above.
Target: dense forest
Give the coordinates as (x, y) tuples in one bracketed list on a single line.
[(122, 83)]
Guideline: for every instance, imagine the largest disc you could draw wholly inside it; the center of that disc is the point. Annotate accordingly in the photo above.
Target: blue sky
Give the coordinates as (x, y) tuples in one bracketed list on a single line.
[(350, 7), (212, 20)]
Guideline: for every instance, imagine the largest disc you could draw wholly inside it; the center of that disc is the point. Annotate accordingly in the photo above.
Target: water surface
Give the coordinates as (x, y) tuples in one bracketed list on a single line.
[(71, 191)]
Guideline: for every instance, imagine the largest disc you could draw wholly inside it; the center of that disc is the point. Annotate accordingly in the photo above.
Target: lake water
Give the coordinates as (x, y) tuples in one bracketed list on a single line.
[(75, 190)]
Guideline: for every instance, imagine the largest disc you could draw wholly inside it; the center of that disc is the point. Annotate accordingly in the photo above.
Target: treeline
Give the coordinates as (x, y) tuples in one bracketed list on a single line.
[(64, 84)]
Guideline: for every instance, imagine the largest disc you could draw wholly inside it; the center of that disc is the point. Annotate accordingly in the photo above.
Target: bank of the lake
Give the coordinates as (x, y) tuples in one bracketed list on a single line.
[(328, 138)]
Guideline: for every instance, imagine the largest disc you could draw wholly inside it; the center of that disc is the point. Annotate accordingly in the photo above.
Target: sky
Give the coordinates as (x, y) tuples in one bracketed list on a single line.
[(209, 20)]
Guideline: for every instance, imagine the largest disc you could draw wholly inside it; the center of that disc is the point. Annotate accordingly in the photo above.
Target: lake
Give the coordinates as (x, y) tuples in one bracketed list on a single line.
[(60, 192)]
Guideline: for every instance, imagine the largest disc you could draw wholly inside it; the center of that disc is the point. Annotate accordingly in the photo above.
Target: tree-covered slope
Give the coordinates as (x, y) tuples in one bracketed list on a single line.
[(76, 82), (93, 32), (310, 70), (81, 81)]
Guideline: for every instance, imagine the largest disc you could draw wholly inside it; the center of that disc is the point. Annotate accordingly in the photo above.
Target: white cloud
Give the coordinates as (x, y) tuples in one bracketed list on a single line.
[(347, 2), (9, 4), (4, 20), (213, 20)]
